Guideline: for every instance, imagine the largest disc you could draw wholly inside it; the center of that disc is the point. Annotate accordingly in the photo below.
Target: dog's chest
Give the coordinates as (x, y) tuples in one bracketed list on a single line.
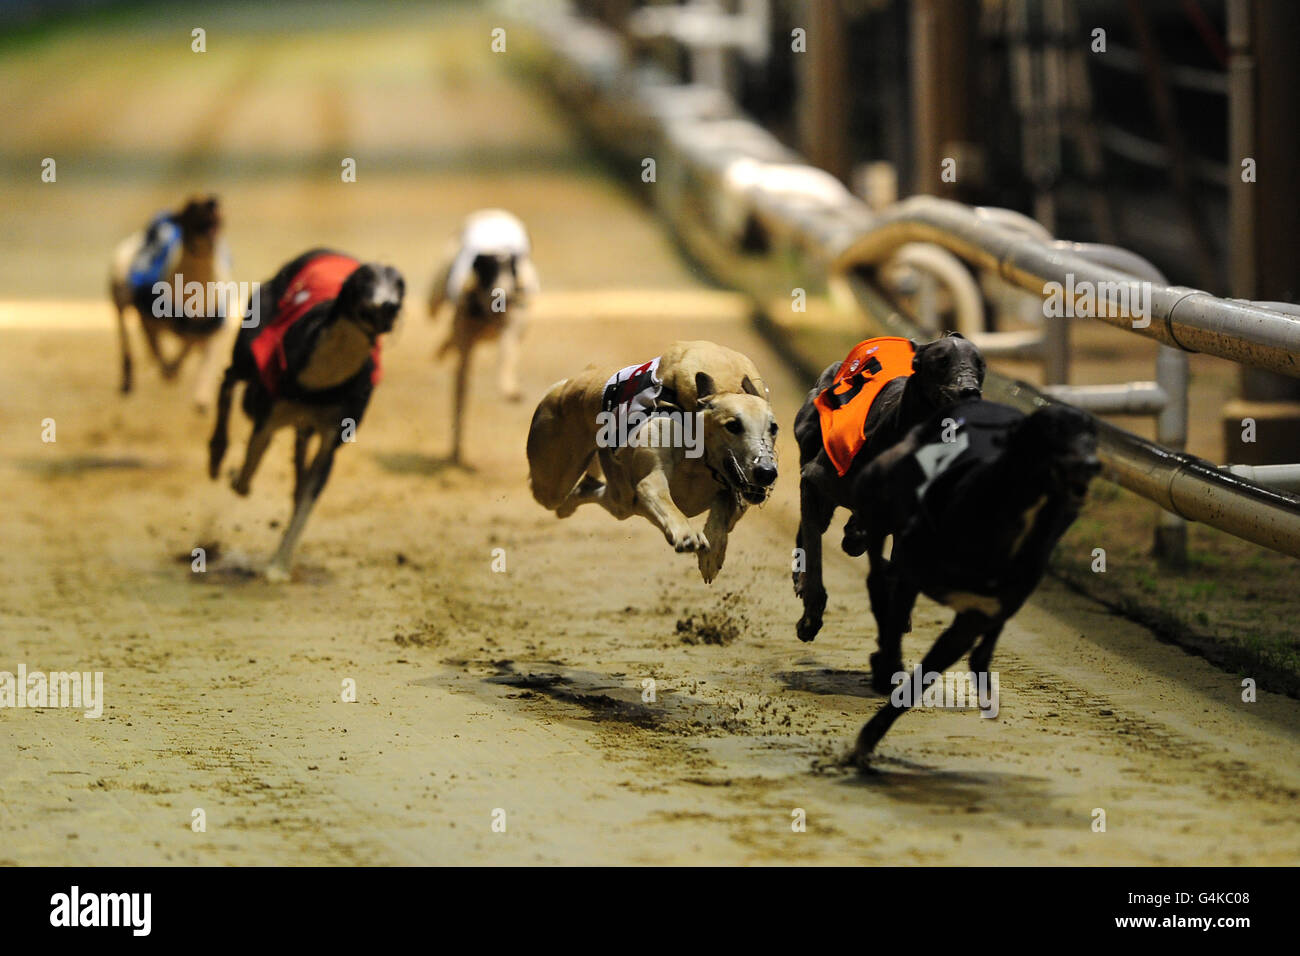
[(323, 419), (202, 269), (479, 318), (339, 353)]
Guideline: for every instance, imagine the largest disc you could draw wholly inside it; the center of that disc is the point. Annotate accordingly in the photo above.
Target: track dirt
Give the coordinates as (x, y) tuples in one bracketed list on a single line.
[(479, 690)]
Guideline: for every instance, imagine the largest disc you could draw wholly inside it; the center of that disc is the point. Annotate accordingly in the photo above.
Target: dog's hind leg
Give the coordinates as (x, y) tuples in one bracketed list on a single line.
[(590, 490), (304, 501), (947, 650), (814, 518), (171, 369)]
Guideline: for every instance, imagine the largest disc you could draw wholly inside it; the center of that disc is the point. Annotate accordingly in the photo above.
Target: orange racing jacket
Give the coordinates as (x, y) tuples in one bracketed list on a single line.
[(843, 406)]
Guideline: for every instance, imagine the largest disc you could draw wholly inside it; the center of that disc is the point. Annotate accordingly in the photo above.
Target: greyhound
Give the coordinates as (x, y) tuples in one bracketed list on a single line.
[(979, 494), (885, 387), (699, 435), (311, 367), (188, 244), (488, 279)]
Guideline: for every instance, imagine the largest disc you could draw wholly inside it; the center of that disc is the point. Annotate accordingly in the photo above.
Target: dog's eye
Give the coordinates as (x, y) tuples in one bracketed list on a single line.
[(735, 427), (772, 430)]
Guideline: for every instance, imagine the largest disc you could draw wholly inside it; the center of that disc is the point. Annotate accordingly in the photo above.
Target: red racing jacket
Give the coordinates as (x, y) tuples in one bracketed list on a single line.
[(318, 281)]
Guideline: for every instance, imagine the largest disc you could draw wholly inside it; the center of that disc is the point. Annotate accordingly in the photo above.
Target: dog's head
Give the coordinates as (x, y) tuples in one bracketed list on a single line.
[(948, 370), (1063, 441), (199, 221), (739, 437), (372, 297), (496, 279)]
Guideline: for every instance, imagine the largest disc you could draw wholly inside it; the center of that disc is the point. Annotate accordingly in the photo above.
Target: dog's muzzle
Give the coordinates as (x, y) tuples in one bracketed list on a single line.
[(755, 492), (1075, 474)]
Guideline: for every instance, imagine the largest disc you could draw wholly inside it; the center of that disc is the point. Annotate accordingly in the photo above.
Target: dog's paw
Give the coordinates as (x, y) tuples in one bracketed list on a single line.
[(811, 622), (239, 487), (854, 544), (861, 757), (276, 573), (872, 731), (808, 626), (710, 562), (688, 540)]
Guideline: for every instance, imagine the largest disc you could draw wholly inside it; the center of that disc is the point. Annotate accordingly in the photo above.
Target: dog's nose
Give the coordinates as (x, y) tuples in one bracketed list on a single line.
[(764, 474)]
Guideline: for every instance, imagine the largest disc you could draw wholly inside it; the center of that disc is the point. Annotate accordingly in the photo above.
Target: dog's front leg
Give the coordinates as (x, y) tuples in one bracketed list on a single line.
[(221, 430), (257, 444), (511, 338), (892, 600), (982, 656), (458, 400), (304, 501), (654, 501), (209, 366), (723, 516), (300, 439), (815, 512), (151, 337), (171, 369)]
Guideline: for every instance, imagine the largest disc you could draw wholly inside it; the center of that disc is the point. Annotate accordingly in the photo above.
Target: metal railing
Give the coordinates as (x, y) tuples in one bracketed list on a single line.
[(718, 170)]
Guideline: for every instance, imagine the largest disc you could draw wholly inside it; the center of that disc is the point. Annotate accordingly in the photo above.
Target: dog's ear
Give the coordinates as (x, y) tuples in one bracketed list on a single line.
[(704, 386), (747, 386), (917, 349)]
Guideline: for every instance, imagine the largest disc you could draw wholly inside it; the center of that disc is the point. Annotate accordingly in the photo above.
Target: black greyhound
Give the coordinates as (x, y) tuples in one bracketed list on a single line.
[(979, 495), (310, 362), (939, 374)]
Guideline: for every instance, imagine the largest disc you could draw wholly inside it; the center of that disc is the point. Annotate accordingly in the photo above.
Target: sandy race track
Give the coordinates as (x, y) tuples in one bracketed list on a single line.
[(518, 690)]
